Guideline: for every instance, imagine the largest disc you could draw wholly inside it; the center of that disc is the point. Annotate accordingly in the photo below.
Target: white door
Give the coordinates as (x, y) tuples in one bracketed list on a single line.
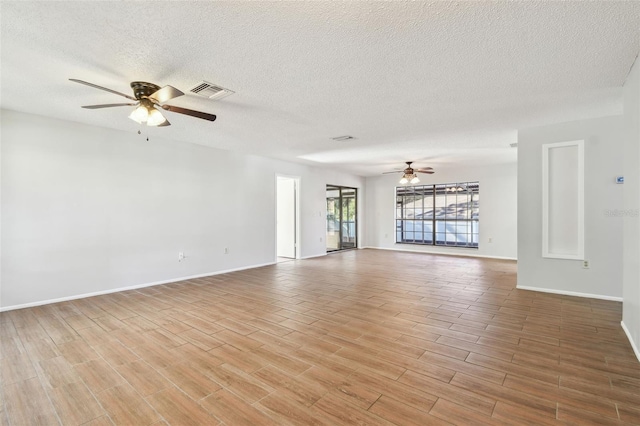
[(286, 217)]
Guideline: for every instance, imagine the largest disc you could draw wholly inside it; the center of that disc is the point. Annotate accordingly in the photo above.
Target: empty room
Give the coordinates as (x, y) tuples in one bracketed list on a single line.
[(319, 213)]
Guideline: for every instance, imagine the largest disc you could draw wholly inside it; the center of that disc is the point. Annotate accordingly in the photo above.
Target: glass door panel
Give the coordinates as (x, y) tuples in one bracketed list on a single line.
[(333, 219), (341, 218), (348, 226)]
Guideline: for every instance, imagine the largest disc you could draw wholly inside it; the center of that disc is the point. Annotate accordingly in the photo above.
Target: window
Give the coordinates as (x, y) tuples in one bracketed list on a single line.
[(441, 215)]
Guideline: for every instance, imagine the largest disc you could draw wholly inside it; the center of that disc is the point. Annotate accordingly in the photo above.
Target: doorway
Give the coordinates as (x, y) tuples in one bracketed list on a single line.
[(286, 218), (341, 218)]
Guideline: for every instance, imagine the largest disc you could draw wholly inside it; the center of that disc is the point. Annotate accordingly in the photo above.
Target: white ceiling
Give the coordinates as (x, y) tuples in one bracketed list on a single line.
[(441, 83)]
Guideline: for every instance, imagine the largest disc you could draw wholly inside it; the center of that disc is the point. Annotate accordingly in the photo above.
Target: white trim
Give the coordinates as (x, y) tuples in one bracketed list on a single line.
[(570, 293), (546, 185), (441, 253), (633, 344), (133, 287)]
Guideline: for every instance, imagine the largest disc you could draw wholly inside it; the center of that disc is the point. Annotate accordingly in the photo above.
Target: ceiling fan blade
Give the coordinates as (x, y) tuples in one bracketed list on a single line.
[(429, 172), (105, 106), (164, 94), (395, 171), (102, 88), (190, 112), (424, 170)]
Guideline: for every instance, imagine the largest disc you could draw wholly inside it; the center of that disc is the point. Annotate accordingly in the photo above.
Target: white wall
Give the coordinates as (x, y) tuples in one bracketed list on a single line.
[(498, 213), (631, 270), (603, 233), (88, 210)]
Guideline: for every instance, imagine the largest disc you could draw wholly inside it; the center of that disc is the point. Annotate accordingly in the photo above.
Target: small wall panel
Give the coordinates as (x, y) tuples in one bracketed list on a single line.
[(563, 200)]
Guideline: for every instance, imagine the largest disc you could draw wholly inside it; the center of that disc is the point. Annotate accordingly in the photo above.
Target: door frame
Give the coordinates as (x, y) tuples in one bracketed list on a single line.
[(296, 192)]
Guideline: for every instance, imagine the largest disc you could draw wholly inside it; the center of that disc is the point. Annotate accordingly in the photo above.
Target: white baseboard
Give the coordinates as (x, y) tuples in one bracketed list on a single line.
[(633, 344), (441, 253), (133, 287), (570, 293)]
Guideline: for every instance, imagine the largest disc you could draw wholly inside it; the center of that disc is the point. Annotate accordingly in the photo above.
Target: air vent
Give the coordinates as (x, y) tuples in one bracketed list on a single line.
[(211, 91), (343, 138), (513, 145)]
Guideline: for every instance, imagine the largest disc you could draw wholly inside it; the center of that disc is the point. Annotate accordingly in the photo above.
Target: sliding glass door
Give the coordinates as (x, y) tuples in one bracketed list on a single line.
[(341, 218)]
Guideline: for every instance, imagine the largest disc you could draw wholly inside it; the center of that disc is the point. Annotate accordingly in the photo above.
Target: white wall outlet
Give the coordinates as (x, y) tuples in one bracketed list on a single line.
[(386, 235), (320, 239), (180, 256), (226, 250), (585, 264), (490, 239)]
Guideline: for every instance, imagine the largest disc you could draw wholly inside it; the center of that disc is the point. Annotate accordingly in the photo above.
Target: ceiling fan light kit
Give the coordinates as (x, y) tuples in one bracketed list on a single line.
[(147, 114), (148, 97), (139, 115), (155, 118), (409, 178)]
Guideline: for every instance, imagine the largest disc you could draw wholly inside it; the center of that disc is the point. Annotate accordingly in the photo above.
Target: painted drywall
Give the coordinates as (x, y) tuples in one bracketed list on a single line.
[(631, 221), (498, 214), (286, 217), (88, 209), (603, 153)]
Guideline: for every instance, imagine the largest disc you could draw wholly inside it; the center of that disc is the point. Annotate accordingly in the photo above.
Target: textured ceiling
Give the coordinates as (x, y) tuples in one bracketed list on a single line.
[(441, 83)]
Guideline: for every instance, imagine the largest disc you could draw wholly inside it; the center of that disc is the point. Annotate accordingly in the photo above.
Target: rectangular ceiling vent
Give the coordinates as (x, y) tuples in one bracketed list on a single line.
[(211, 91), (343, 138)]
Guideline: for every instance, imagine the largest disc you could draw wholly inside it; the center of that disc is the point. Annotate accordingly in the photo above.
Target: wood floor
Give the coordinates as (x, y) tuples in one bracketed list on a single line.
[(360, 337)]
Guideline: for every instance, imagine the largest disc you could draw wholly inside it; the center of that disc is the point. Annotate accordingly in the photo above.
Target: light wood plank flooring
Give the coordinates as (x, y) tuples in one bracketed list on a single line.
[(359, 337)]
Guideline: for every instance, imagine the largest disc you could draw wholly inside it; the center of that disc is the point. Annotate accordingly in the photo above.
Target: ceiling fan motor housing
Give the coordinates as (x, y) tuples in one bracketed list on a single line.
[(142, 89)]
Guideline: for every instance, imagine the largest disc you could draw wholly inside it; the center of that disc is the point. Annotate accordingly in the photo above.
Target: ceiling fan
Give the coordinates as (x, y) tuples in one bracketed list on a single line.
[(147, 97), (409, 174)]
